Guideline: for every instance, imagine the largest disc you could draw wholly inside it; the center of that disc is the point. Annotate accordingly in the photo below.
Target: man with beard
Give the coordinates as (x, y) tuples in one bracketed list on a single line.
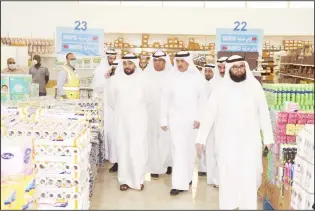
[(40, 75), (239, 109), (207, 159), (100, 86), (182, 98), (100, 72), (159, 142), (128, 97), (221, 65)]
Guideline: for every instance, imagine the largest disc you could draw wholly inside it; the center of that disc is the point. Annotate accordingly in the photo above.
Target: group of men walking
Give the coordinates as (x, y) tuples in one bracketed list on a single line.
[(155, 120)]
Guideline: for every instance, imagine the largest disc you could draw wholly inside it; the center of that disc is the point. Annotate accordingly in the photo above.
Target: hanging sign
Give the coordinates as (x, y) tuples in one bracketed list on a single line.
[(80, 40), (239, 39)]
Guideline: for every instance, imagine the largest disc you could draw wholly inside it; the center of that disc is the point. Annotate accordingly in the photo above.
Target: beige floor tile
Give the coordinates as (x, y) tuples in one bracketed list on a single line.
[(155, 195)]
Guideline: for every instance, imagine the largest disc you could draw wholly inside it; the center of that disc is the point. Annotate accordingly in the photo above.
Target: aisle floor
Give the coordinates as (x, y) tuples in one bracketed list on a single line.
[(154, 196)]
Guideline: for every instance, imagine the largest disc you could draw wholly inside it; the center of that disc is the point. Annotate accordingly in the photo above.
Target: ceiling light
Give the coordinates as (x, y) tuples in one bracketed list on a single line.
[(191, 4), (225, 4), (141, 3), (101, 3), (302, 4), (267, 4)]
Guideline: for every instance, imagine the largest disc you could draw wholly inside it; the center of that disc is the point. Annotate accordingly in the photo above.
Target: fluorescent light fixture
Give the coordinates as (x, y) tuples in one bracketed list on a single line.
[(302, 4), (189, 4), (225, 4), (267, 4), (141, 3), (101, 3)]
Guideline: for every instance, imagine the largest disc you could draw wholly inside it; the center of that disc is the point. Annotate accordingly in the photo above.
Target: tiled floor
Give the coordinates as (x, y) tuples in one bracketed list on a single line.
[(154, 196)]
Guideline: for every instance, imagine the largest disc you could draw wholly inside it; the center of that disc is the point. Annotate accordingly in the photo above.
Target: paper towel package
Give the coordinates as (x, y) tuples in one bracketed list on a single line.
[(16, 156)]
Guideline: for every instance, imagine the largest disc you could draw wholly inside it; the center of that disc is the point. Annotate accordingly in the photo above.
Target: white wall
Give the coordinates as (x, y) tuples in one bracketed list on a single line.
[(40, 19)]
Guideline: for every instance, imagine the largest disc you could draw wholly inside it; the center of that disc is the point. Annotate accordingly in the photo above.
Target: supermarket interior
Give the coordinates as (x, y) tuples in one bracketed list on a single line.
[(86, 113)]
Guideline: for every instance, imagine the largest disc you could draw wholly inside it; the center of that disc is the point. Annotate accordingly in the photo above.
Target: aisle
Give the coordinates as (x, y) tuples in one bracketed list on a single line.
[(155, 195)]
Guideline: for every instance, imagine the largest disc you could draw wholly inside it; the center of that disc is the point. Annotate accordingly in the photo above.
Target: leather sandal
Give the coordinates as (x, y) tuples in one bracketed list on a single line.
[(124, 187)]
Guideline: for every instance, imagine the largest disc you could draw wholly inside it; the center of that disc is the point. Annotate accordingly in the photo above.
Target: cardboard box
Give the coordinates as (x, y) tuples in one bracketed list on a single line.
[(275, 197), (170, 40), (285, 201), (145, 36)]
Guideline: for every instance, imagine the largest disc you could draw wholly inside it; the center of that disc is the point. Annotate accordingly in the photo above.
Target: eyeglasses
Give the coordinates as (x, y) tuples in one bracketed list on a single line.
[(234, 67)]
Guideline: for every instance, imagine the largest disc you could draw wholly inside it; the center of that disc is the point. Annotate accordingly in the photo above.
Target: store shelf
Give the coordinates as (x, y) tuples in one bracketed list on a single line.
[(305, 65), (295, 76)]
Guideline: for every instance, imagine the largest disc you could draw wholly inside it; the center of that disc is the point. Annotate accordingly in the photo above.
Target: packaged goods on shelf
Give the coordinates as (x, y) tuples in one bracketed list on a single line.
[(278, 94), (302, 197), (15, 87)]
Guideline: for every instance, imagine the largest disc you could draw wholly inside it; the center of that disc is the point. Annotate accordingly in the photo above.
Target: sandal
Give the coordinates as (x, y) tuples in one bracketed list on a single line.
[(124, 187), (142, 187)]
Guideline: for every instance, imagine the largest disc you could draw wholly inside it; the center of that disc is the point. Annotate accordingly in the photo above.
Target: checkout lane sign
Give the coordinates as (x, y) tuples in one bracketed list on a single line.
[(229, 40), (89, 42)]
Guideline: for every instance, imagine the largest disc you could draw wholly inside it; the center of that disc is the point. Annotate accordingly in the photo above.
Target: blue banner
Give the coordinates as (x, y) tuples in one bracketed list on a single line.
[(83, 43), (250, 40)]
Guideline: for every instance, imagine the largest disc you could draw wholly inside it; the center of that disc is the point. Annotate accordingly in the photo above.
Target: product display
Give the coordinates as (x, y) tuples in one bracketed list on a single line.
[(302, 197), (63, 134), (278, 94)]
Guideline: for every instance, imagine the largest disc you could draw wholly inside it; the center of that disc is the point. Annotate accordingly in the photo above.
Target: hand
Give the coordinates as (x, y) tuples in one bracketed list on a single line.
[(196, 125), (165, 128), (269, 146), (108, 73), (200, 148)]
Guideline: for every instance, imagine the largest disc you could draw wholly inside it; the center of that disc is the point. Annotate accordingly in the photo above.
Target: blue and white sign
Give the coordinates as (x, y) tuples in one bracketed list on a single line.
[(80, 40), (249, 40)]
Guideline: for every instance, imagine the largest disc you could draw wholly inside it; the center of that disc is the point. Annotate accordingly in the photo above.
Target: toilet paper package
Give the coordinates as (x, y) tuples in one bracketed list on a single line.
[(16, 156)]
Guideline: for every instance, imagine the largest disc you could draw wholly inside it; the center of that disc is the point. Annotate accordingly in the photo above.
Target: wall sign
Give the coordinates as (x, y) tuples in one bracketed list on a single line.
[(239, 39), (80, 40)]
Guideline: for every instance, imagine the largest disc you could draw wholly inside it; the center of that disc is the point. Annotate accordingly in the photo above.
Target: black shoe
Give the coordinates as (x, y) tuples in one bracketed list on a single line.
[(155, 176), (114, 168), (169, 170), (190, 183), (202, 174), (175, 192)]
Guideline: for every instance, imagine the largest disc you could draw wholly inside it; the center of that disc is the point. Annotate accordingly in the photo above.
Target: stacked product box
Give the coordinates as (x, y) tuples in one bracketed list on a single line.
[(17, 173), (286, 126), (302, 196), (278, 94)]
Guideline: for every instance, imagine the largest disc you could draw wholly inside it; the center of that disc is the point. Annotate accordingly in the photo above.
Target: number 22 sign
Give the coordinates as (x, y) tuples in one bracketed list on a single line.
[(237, 25)]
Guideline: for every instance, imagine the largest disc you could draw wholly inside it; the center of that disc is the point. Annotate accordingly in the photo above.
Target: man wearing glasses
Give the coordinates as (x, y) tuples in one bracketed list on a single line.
[(239, 110), (68, 81)]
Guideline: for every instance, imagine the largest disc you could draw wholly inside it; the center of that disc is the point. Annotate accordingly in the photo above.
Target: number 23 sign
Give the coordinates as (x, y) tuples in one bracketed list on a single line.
[(237, 25)]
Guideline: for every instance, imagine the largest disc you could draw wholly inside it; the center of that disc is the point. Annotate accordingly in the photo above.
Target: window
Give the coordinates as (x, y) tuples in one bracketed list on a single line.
[(267, 4)]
